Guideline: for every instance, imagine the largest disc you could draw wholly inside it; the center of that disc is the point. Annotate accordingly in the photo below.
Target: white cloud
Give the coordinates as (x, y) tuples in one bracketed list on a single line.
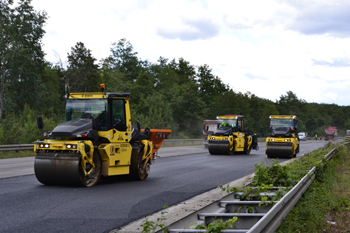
[(259, 46)]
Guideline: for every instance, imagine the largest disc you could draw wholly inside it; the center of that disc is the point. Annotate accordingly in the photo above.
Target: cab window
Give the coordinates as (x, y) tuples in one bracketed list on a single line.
[(118, 115), (245, 125), (239, 125)]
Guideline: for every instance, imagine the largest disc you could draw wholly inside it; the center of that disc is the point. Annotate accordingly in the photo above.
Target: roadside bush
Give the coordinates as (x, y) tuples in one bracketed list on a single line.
[(23, 129)]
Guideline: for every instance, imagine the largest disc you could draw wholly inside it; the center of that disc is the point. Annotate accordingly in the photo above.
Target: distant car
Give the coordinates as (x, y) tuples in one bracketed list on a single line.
[(302, 136)]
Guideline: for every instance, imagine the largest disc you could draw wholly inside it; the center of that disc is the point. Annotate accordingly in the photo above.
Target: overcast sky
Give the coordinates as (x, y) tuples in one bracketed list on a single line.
[(265, 47)]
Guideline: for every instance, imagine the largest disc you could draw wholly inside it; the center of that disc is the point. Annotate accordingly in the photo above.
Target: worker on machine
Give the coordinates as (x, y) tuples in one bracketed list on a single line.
[(295, 124), (224, 124), (295, 128)]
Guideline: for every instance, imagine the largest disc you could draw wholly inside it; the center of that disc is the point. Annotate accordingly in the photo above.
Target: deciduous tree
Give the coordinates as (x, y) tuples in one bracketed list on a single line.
[(125, 60), (21, 55)]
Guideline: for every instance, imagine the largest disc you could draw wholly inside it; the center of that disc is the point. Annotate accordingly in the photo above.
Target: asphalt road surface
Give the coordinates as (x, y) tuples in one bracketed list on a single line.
[(179, 174)]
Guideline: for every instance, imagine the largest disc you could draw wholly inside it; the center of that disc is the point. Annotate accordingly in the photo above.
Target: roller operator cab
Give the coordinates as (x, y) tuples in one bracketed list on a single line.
[(232, 135), (96, 139), (347, 134), (283, 141)]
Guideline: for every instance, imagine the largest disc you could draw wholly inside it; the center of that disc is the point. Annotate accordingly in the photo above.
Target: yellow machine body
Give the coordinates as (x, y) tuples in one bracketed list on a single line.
[(97, 139), (347, 134), (282, 141), (232, 135)]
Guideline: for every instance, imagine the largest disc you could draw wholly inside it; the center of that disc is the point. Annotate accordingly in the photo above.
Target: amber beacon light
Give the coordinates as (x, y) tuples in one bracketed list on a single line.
[(102, 86)]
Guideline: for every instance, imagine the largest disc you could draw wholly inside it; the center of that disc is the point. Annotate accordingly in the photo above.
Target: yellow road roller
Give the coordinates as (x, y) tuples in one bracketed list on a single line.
[(282, 141), (232, 135), (347, 134), (97, 139)]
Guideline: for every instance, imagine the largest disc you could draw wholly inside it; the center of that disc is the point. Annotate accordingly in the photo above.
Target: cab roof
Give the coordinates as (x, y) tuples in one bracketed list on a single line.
[(230, 117), (283, 117), (97, 95)]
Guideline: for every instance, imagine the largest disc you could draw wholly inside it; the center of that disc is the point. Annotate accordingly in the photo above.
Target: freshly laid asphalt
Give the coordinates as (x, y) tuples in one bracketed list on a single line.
[(178, 175)]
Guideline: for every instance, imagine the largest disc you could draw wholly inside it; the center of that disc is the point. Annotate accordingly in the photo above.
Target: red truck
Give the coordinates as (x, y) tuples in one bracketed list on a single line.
[(331, 133)]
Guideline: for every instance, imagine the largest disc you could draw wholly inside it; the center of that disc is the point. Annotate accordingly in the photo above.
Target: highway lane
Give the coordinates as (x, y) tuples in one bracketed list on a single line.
[(16, 167), (28, 206), (25, 165)]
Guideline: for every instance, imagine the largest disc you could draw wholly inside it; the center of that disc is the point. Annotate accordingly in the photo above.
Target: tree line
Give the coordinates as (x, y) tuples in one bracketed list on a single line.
[(169, 93)]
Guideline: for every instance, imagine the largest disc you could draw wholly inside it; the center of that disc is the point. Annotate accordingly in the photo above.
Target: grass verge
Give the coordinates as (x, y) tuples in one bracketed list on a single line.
[(324, 207), (15, 154)]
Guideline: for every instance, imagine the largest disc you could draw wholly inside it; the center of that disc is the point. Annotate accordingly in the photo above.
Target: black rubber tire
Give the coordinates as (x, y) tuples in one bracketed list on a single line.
[(247, 151), (91, 181), (137, 169), (296, 152)]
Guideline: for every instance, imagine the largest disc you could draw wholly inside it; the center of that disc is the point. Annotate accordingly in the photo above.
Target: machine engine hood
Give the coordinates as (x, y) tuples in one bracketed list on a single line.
[(223, 131), (73, 128), (281, 131)]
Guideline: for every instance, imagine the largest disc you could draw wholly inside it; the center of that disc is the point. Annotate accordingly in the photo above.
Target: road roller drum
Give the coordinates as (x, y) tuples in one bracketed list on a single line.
[(279, 150), (57, 170), (65, 169), (219, 148)]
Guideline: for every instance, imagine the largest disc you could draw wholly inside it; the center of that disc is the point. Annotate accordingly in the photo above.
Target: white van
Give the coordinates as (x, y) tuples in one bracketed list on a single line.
[(302, 136)]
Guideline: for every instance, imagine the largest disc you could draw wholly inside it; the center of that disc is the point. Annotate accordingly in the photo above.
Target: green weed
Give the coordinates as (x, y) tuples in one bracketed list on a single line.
[(217, 226), (323, 200), (151, 227), (15, 154)]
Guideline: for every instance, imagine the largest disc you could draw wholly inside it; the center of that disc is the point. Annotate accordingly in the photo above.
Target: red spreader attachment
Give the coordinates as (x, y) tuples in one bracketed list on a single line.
[(157, 137)]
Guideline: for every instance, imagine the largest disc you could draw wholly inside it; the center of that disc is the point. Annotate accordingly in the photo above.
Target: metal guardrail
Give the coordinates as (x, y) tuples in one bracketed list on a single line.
[(273, 219), (266, 219), (17, 147), (182, 141)]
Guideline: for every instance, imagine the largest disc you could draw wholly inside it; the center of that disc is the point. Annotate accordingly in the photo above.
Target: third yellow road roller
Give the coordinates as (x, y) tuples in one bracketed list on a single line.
[(282, 141)]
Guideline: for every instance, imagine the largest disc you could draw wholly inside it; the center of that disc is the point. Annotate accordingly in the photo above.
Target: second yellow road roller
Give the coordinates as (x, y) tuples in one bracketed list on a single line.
[(232, 135), (97, 139), (282, 141)]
